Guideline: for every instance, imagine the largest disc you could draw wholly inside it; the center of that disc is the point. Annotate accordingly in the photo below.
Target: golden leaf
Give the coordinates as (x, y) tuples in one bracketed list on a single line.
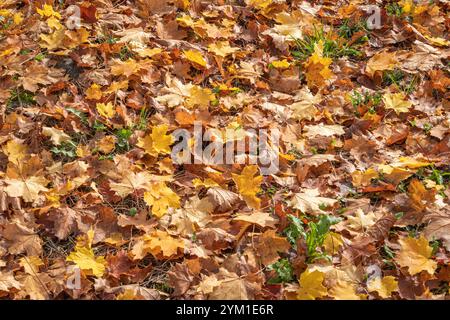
[(345, 290), (31, 264), (396, 102), (415, 255), (249, 185), (86, 260), (380, 62), (160, 197), (160, 244), (311, 286), (158, 142), (280, 64), (47, 11), (317, 69), (221, 48), (94, 92), (195, 57), (332, 243), (106, 110), (384, 286)]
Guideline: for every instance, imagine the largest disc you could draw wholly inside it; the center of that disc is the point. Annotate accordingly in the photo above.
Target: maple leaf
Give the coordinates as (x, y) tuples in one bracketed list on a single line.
[(419, 195), (438, 227), (21, 238), (305, 107), (280, 64), (332, 243), (160, 244), (15, 149), (31, 264), (222, 198), (94, 92), (248, 185), (262, 219), (380, 62), (309, 201), (106, 110), (317, 67), (7, 281), (195, 57), (47, 11), (324, 130), (345, 290), (161, 198), (57, 136), (361, 221), (126, 68), (132, 182), (396, 102), (53, 41), (221, 48), (27, 188), (415, 255), (311, 285), (383, 286), (86, 260), (199, 97), (269, 244), (158, 142)]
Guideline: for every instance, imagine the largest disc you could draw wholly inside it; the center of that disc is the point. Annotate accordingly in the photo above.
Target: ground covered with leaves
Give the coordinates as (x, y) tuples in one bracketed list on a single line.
[(92, 205)]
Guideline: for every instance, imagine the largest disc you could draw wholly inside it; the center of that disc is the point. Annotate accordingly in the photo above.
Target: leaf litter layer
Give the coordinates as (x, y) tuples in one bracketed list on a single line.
[(93, 205)]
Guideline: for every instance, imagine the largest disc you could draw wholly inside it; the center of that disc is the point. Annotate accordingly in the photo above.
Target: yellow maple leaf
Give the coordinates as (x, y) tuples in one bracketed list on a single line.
[(380, 62), (54, 23), (280, 64), (438, 41), (221, 48), (160, 197), (332, 243), (158, 142), (345, 290), (31, 264), (159, 243), (415, 255), (249, 185), (53, 41), (86, 260), (199, 97), (106, 144), (47, 11), (384, 286), (126, 68), (363, 178), (317, 69), (106, 110), (396, 102), (116, 86), (83, 256), (207, 183), (15, 150), (195, 57), (18, 18), (94, 92), (311, 286)]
